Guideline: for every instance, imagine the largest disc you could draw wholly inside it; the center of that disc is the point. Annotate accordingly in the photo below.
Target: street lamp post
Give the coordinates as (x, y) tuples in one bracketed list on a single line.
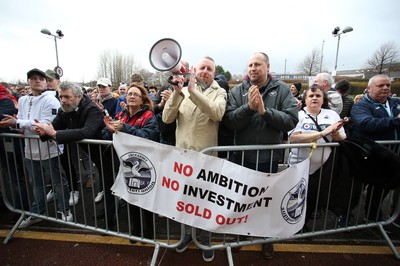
[(285, 69), (336, 33), (322, 56), (59, 36)]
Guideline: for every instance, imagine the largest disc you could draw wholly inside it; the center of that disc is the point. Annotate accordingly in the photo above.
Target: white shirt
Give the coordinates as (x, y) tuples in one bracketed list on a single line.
[(307, 126), (43, 108)]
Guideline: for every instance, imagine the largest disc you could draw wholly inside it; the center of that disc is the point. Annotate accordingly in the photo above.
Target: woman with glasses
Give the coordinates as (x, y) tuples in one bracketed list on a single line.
[(137, 119)]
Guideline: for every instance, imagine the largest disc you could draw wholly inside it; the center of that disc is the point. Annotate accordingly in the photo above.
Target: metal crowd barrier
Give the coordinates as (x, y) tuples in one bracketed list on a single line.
[(323, 221), (18, 197)]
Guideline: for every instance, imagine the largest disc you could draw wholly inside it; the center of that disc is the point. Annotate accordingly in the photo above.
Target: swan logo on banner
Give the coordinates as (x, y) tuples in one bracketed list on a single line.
[(294, 202), (139, 173)]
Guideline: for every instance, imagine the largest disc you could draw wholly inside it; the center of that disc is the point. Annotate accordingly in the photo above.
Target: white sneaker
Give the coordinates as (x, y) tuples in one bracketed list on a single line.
[(99, 196), (50, 196), (74, 198), (66, 215), (29, 221)]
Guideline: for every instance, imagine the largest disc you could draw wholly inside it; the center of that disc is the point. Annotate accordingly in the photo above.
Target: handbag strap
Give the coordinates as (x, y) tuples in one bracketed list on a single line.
[(316, 124)]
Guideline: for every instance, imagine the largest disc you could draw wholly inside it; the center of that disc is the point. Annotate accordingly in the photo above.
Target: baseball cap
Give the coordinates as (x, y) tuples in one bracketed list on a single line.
[(36, 71), (52, 74), (104, 82)]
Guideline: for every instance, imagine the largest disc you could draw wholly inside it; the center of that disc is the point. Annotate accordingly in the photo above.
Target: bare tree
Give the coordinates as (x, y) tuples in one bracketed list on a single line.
[(118, 67), (311, 64), (382, 60), (104, 64)]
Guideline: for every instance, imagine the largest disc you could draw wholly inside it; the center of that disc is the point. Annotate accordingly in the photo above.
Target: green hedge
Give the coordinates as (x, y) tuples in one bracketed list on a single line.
[(357, 87)]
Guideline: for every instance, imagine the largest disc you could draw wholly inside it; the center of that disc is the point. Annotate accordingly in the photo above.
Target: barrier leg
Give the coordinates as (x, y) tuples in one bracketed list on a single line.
[(155, 254), (390, 243), (229, 255), (15, 227)]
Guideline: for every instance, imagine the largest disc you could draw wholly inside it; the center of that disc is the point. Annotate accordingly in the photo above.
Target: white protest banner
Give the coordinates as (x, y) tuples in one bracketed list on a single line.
[(208, 192)]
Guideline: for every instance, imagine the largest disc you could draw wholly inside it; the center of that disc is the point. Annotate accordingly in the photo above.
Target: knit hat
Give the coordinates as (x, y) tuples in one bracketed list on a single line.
[(297, 85)]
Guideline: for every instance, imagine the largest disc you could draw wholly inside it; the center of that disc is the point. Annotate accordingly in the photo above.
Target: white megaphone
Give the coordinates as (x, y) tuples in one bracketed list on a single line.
[(165, 55)]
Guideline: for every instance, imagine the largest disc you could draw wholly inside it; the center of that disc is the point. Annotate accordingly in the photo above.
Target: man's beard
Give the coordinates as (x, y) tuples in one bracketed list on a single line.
[(70, 108)]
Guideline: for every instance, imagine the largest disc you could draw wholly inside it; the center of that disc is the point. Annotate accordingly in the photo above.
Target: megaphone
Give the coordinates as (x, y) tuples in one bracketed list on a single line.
[(165, 55)]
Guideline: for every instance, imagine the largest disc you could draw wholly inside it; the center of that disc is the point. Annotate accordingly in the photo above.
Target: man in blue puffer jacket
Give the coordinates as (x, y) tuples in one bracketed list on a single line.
[(377, 117)]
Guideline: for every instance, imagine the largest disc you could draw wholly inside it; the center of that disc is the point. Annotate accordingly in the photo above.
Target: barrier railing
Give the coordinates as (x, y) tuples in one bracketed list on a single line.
[(139, 225), (356, 216), (130, 222)]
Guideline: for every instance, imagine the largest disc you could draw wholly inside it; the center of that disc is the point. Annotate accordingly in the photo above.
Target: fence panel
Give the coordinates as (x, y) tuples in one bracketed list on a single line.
[(361, 205), (29, 197), (23, 195)]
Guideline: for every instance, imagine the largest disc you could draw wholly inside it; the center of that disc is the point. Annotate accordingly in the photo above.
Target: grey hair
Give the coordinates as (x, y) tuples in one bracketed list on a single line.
[(76, 89), (372, 80), (327, 77)]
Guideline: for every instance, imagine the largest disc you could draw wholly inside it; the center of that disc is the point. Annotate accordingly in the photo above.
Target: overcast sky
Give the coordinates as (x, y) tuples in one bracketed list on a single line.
[(228, 31)]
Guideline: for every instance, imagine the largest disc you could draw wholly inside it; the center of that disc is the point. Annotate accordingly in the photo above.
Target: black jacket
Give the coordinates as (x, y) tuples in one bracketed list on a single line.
[(371, 162), (6, 107), (86, 122), (253, 129)]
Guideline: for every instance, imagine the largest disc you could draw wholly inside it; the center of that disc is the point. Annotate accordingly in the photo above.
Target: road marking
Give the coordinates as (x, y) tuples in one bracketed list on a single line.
[(306, 248)]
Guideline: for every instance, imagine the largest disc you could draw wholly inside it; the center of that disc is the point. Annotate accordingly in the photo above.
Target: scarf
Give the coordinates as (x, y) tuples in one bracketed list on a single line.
[(108, 97)]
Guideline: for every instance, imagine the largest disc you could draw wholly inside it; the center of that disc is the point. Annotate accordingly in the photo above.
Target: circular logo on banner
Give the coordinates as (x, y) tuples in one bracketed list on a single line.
[(139, 173), (293, 204), (59, 71)]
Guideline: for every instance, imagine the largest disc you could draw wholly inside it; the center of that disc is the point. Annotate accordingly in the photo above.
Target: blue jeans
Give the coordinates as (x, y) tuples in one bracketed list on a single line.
[(36, 178)]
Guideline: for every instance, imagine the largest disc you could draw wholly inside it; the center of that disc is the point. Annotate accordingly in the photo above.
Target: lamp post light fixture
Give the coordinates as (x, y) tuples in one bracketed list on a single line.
[(56, 36), (336, 33)]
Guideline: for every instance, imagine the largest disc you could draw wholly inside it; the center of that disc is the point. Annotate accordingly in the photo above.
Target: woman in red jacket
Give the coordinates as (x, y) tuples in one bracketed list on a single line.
[(137, 119)]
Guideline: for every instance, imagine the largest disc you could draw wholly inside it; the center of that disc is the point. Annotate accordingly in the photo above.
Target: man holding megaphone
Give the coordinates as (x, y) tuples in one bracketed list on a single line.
[(167, 131), (197, 110)]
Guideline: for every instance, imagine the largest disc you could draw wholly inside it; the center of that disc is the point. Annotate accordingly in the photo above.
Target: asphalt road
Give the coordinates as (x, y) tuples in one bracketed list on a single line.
[(49, 244), (70, 250)]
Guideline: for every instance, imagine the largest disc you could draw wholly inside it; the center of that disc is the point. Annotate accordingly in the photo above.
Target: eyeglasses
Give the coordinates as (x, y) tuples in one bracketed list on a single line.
[(134, 95)]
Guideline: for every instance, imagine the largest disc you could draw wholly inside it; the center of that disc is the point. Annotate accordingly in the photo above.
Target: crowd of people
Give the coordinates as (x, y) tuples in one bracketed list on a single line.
[(194, 111)]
